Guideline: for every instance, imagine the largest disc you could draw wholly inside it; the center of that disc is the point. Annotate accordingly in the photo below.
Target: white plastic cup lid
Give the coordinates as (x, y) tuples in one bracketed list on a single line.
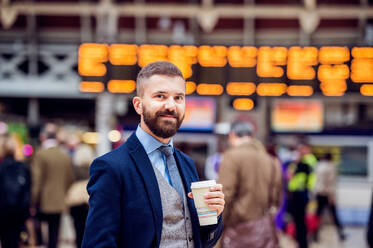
[(203, 184)]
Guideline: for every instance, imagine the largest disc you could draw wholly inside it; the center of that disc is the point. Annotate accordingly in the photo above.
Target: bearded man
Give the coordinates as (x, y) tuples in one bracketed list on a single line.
[(140, 192)]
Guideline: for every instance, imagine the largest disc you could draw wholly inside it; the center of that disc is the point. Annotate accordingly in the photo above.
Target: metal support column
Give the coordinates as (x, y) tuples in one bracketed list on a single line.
[(33, 116), (104, 116), (362, 21), (106, 32), (140, 26), (249, 28), (86, 28)]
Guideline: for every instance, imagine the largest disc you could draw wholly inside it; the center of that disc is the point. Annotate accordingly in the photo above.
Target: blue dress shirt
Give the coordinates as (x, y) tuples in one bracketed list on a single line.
[(156, 157)]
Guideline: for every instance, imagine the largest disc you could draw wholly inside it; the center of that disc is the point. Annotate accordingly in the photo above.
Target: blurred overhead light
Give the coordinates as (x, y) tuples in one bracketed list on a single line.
[(91, 137), (8, 16), (208, 20), (114, 136)]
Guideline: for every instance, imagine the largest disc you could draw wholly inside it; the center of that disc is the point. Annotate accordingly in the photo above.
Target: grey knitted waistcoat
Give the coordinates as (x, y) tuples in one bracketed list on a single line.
[(177, 226)]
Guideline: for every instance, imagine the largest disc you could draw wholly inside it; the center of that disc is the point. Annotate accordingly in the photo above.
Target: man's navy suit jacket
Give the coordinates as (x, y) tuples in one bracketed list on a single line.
[(125, 202)]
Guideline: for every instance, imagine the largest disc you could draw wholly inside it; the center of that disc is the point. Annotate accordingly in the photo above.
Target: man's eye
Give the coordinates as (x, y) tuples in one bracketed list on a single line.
[(179, 98), (160, 96)]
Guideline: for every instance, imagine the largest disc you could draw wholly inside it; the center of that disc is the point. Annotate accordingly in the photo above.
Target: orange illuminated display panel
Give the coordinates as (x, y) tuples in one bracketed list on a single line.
[(123, 54), (362, 65), (271, 89), (297, 116), (210, 89), (333, 73), (270, 60), (92, 58), (240, 70), (242, 56), (215, 56), (334, 55), (121, 86), (190, 87), (333, 79), (367, 89), (300, 90), (243, 104), (183, 58), (300, 62), (240, 88), (91, 87), (151, 53)]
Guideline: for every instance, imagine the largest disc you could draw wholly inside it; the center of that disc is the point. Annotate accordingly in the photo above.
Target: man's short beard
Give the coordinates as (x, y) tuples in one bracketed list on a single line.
[(166, 129)]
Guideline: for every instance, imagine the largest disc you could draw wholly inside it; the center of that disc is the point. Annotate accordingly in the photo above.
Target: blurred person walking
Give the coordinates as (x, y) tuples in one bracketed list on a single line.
[(252, 186), (77, 196), (301, 180), (52, 175), (325, 190), (15, 194)]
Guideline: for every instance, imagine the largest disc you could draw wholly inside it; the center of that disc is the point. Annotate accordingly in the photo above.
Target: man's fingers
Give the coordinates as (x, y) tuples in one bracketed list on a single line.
[(219, 201), (217, 187), (190, 195), (215, 194)]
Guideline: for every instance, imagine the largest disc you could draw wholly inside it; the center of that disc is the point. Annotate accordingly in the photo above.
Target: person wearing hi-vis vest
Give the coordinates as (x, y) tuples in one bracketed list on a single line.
[(301, 180)]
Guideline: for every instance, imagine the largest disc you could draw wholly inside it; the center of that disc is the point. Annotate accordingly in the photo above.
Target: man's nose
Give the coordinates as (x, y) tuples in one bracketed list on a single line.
[(170, 104)]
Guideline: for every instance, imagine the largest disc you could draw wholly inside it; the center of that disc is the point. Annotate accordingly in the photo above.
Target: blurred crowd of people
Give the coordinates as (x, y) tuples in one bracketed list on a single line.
[(294, 190), (52, 182), (266, 193)]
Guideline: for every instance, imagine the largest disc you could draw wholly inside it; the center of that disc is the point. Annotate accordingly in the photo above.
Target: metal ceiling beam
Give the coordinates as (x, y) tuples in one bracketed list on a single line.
[(189, 10)]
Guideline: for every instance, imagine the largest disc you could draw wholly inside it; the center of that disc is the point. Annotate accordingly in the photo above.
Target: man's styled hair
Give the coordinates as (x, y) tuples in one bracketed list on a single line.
[(242, 128), (164, 68)]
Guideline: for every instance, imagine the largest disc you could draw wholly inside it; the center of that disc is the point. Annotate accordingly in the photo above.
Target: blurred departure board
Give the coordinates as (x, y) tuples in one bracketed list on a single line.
[(234, 70)]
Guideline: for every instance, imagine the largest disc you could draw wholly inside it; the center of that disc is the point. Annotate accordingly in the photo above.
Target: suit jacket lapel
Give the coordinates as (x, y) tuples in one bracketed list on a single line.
[(146, 171), (187, 180), (185, 176)]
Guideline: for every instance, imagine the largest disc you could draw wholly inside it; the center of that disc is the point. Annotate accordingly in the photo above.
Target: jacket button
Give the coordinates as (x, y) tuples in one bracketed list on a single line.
[(190, 239)]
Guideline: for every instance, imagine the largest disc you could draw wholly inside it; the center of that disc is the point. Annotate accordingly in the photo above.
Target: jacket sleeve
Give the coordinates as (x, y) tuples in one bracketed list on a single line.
[(70, 176), (277, 193), (228, 177), (103, 221), (37, 179), (211, 234)]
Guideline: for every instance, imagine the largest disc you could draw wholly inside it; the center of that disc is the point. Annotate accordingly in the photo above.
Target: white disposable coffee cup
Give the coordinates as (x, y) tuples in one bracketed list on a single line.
[(206, 215)]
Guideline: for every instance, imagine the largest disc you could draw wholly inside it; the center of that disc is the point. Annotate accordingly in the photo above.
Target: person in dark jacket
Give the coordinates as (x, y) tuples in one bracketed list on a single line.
[(15, 194)]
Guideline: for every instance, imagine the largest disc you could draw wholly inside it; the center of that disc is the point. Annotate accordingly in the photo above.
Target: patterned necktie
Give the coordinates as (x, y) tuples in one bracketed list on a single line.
[(172, 169)]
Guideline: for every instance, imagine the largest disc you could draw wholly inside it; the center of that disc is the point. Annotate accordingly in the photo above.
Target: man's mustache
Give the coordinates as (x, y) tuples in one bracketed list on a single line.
[(167, 112)]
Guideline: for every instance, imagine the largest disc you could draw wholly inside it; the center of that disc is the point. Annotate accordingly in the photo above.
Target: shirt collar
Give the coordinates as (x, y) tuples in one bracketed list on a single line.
[(149, 143), (49, 143)]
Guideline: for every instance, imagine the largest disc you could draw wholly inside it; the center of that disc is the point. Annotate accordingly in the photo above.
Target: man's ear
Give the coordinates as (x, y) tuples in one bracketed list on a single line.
[(137, 104)]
